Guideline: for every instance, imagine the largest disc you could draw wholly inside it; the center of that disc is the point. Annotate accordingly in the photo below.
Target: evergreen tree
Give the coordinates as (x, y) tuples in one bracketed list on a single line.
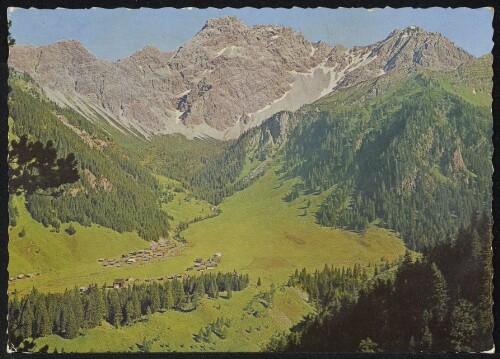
[(155, 298), (169, 298), (196, 299), (368, 346), (136, 306), (35, 167), (128, 313), (439, 295), (11, 41), (485, 290), (70, 323), (179, 295), (76, 304), (426, 339), (71, 230), (115, 315), (94, 307), (463, 330), (43, 325), (212, 289), (26, 318), (411, 344)]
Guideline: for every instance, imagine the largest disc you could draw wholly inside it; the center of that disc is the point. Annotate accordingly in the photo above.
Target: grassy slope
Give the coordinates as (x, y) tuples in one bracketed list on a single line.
[(174, 330), (262, 235), (63, 260), (184, 207), (479, 98), (257, 233)]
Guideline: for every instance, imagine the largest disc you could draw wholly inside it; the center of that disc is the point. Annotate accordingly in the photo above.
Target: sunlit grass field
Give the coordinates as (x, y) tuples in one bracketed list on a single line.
[(257, 233), (174, 331), (184, 207), (260, 234)]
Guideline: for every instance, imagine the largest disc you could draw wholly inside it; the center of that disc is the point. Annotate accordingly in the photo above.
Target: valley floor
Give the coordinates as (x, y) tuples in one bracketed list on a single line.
[(257, 233)]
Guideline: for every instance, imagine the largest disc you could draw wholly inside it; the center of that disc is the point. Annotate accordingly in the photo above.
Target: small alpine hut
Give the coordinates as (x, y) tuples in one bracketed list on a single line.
[(118, 283)]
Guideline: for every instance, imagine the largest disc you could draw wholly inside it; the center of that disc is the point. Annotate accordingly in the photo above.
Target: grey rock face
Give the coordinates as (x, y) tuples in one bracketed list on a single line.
[(227, 79)]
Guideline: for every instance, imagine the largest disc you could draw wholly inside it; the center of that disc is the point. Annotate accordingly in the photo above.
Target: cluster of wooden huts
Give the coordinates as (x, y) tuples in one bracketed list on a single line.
[(24, 276), (157, 250), (201, 264), (122, 283)]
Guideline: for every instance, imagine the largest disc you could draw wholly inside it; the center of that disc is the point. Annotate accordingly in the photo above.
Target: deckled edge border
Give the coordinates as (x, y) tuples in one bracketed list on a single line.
[(110, 4)]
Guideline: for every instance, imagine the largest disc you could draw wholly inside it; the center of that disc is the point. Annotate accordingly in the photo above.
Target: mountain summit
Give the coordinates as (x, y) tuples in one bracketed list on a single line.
[(223, 22), (414, 46), (228, 78)]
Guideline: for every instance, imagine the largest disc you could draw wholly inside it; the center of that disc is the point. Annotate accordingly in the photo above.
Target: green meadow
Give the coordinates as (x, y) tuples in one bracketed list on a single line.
[(183, 207), (257, 233), (174, 331), (260, 234)]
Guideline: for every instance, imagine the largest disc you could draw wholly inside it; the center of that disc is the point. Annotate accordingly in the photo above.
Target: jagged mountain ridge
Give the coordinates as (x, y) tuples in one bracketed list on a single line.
[(228, 78)]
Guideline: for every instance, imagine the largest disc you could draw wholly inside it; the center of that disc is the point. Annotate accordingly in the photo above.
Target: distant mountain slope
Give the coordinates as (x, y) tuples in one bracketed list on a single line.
[(417, 157), (411, 149), (227, 79), (114, 191)]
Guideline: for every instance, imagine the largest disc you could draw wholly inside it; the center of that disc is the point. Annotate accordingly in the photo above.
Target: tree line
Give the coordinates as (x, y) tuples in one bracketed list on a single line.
[(70, 313), (331, 286), (209, 168), (439, 302)]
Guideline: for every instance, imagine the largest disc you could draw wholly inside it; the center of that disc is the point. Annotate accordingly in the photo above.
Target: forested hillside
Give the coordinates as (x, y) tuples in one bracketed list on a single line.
[(114, 191), (212, 169), (400, 149), (416, 157), (440, 302), (410, 150)]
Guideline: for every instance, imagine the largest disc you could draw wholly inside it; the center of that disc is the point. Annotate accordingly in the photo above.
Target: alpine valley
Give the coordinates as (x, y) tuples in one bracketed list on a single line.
[(255, 191)]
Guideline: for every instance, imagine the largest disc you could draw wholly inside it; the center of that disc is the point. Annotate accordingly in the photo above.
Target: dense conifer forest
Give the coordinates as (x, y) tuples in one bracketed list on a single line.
[(419, 162), (440, 301), (211, 169), (73, 312)]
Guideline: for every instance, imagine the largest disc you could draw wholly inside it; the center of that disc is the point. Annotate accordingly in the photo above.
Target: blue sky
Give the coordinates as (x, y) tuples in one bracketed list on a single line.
[(113, 34)]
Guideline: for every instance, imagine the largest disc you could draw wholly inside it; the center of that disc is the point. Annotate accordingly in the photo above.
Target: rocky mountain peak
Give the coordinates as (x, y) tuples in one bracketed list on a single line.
[(149, 53), (72, 48), (409, 30), (223, 22), (69, 43), (148, 50), (413, 46)]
